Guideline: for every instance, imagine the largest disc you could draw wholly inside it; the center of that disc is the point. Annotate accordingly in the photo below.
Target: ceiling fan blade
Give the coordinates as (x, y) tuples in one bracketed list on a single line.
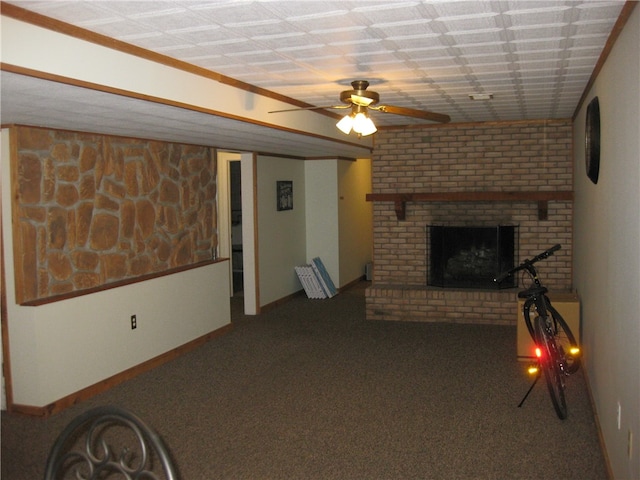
[(411, 112), (310, 108)]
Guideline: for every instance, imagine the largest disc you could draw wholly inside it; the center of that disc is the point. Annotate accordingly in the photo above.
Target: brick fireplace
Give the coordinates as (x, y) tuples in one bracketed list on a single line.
[(482, 174)]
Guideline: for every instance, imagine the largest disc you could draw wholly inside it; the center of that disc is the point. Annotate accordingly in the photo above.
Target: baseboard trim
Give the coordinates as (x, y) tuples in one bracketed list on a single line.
[(281, 301), (352, 284), (116, 379), (603, 446)]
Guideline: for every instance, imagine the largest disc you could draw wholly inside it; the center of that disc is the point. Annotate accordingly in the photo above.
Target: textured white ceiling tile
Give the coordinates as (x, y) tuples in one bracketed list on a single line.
[(582, 62), (193, 30), (540, 31), (278, 35), (81, 12), (494, 57), (411, 23), (389, 13), (601, 10), (413, 43), (431, 54), (479, 35), (314, 11), (462, 9), (382, 7), (121, 29), (468, 26), (491, 48), (490, 68), (592, 40), (537, 45), (531, 19), (234, 13)]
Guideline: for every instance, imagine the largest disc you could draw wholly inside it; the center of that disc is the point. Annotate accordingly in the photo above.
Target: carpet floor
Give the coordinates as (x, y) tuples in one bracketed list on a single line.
[(312, 390)]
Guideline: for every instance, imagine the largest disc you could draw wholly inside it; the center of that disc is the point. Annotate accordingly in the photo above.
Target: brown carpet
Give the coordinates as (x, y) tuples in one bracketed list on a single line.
[(311, 390)]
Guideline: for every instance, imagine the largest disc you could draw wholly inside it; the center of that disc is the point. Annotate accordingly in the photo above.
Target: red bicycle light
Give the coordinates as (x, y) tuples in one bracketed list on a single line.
[(538, 352)]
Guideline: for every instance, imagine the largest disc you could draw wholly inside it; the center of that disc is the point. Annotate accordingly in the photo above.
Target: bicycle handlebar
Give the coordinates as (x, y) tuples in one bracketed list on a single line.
[(528, 263)]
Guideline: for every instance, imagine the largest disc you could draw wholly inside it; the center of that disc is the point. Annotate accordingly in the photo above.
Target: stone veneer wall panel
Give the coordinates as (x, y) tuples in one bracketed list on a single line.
[(93, 209), (497, 156)]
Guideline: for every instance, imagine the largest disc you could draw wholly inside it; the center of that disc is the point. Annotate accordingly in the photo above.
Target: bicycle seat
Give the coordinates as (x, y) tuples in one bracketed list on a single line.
[(532, 291)]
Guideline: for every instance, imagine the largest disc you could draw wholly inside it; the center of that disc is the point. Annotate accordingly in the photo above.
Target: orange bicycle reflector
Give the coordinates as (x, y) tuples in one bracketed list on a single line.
[(574, 351), (532, 370)]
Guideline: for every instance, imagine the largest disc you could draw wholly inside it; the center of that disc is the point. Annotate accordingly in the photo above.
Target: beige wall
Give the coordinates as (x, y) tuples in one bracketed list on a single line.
[(330, 220), (607, 251), (281, 234), (339, 220), (355, 219), (323, 230), (60, 348)]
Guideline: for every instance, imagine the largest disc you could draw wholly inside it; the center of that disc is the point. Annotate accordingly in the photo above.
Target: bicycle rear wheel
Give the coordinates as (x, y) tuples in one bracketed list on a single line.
[(550, 363), (565, 341)]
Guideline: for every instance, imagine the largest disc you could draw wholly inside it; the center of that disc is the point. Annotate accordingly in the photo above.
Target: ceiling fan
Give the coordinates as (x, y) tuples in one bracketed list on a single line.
[(360, 101)]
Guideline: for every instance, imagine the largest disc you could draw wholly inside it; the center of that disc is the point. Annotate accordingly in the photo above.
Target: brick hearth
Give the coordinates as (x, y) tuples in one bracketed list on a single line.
[(532, 156)]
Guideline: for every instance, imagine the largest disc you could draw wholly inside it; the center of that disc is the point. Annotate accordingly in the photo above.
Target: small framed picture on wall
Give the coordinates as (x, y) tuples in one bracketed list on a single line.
[(284, 190)]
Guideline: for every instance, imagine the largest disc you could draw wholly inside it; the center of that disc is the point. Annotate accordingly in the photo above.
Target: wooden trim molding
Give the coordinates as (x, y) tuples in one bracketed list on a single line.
[(542, 198), (488, 123), (120, 283), (625, 13), (256, 239), (4, 323)]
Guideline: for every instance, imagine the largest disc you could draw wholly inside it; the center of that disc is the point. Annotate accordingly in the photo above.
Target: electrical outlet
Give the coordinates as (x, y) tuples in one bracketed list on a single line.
[(134, 322), (619, 417)]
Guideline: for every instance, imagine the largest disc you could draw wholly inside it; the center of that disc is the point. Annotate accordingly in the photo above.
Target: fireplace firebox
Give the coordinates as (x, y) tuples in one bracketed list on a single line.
[(470, 257)]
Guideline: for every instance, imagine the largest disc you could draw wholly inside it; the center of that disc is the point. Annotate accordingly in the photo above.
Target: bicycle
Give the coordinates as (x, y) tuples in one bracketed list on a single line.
[(557, 352)]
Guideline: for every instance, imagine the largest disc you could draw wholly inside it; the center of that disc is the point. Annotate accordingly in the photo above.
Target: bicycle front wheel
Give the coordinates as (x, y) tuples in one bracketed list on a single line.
[(550, 362)]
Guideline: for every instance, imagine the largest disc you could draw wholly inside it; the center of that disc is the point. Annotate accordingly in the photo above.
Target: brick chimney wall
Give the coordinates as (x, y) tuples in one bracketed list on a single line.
[(480, 157)]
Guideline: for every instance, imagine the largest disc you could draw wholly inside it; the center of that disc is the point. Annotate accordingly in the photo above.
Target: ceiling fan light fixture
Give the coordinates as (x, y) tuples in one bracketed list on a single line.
[(345, 124), (358, 122), (363, 125), (361, 101)]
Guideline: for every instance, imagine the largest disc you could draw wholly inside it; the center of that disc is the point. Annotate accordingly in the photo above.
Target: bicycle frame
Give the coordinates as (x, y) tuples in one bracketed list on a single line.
[(547, 326)]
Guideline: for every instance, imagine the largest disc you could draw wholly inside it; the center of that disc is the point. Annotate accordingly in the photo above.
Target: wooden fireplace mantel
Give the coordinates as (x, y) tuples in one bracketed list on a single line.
[(400, 199)]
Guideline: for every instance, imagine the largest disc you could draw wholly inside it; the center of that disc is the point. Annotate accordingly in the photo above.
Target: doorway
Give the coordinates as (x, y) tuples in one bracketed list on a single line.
[(235, 187), (237, 239)]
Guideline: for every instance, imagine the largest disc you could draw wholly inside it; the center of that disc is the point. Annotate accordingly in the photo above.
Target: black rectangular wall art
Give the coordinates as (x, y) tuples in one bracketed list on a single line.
[(284, 190)]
